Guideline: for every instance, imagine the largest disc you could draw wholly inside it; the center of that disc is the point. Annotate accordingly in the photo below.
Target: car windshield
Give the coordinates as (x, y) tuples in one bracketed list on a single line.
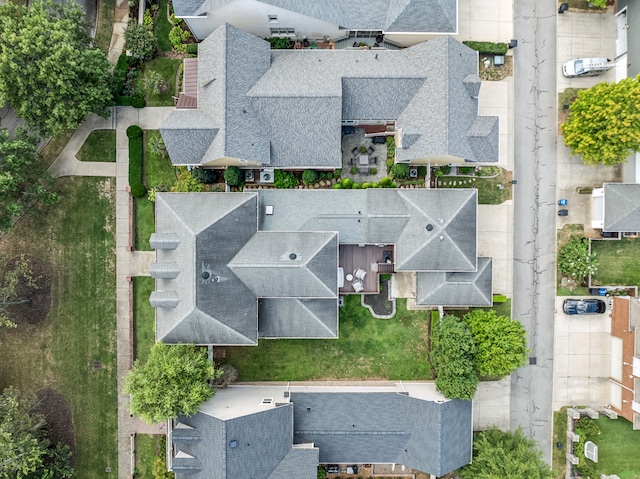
[(582, 307), (578, 66)]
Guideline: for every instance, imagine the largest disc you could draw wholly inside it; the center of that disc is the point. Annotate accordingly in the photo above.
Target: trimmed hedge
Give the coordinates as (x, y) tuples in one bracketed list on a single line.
[(192, 48), (233, 176), (136, 147), (488, 47), (138, 101)]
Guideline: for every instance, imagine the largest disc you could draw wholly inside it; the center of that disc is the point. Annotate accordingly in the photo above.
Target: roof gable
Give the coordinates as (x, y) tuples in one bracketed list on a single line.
[(621, 207), (297, 318), (457, 289)]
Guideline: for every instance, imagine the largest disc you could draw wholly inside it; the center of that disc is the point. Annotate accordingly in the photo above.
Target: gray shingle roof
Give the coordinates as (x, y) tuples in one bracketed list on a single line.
[(621, 207), (385, 428), (457, 289), (435, 16), (284, 108), (297, 318)]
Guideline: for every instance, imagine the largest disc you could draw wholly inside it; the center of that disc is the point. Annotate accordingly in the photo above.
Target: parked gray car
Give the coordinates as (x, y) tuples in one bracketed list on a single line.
[(584, 306)]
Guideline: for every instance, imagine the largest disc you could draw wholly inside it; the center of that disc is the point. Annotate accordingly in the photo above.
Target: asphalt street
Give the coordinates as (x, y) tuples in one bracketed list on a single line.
[(535, 131)]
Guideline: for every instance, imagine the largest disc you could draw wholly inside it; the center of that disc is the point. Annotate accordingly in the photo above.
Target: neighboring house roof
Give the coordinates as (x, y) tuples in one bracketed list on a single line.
[(227, 272), (284, 108), (237, 431), (398, 16), (457, 289), (621, 207)]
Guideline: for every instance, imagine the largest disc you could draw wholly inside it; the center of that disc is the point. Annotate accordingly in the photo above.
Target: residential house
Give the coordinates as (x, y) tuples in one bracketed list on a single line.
[(285, 431), (625, 358), (234, 267), (404, 22), (259, 108), (616, 208)]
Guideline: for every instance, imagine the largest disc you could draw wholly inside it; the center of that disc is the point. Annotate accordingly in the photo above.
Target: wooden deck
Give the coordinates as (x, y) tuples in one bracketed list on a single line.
[(367, 258)]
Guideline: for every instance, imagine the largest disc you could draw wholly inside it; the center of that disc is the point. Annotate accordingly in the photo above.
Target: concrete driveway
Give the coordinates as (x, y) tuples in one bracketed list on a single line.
[(582, 358)]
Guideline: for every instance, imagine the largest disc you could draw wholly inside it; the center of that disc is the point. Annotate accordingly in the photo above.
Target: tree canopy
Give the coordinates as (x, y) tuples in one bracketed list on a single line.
[(604, 122), (50, 72), (452, 356), (25, 451), (498, 454), (574, 259), (500, 341), (173, 381), (22, 179)]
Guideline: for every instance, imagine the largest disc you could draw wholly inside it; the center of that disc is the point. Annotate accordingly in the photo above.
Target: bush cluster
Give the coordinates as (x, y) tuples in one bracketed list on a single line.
[(233, 176), (309, 177), (285, 179), (488, 47), (400, 171), (205, 175), (136, 182)]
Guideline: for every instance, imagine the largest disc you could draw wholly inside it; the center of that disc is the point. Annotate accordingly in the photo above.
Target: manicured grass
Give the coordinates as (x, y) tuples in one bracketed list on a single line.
[(144, 316), (619, 262), (148, 447), (104, 28), (54, 147), (618, 448), (368, 348), (158, 170), (100, 145), (167, 67), (491, 191), (75, 238), (162, 27), (144, 223), (559, 436)]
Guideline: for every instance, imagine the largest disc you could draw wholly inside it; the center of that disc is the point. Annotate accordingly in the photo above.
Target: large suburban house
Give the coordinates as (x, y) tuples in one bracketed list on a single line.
[(246, 105), (403, 22), (285, 431), (616, 208), (234, 267), (625, 358)]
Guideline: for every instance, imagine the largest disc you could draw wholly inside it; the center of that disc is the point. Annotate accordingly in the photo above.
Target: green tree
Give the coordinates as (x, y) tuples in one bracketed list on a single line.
[(140, 41), (574, 259), (501, 343), (498, 454), (452, 356), (604, 122), (50, 72), (173, 381), (22, 179)]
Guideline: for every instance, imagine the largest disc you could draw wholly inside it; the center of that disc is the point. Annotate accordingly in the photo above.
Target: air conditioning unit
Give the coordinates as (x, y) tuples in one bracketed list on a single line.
[(267, 176)]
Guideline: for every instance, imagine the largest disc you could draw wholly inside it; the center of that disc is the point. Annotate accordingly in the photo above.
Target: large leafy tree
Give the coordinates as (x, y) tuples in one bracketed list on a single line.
[(452, 356), (173, 381), (25, 451), (498, 454), (22, 179), (604, 122), (501, 343), (574, 259), (50, 72)]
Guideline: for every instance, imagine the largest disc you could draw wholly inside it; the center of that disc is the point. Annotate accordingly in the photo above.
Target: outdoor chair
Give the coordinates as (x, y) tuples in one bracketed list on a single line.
[(374, 160), (354, 161), (370, 150), (359, 273), (358, 286), (355, 151)]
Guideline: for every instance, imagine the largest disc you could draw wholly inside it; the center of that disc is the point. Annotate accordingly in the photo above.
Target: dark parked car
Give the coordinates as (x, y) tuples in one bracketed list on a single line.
[(379, 140), (584, 306), (333, 469)]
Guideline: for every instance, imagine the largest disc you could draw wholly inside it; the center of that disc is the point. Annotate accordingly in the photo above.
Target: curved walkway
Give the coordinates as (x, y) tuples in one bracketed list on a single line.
[(128, 263)]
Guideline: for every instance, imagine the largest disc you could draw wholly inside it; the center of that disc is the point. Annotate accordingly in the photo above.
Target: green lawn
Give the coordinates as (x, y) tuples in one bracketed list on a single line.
[(559, 436), (491, 191), (618, 448), (162, 27), (75, 238), (368, 348), (167, 67), (144, 223), (144, 316), (104, 30), (100, 145), (54, 147), (158, 170), (619, 262), (148, 447)]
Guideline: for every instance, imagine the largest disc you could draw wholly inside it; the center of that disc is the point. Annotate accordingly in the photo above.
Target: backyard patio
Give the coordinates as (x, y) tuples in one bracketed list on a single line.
[(364, 160)]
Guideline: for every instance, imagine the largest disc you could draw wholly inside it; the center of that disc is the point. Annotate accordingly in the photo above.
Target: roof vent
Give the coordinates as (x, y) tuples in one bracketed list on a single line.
[(205, 275), (293, 256), (233, 444), (267, 400), (429, 227), (441, 238), (268, 210)]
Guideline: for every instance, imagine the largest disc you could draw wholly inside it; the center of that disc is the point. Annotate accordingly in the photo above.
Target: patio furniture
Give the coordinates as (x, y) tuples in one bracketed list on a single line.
[(359, 273), (354, 161), (363, 170), (374, 160), (355, 151), (370, 150), (358, 286), (341, 277), (349, 277), (364, 160)]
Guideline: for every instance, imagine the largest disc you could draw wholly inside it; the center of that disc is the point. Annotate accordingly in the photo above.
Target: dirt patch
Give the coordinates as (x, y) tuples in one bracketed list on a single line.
[(488, 71), (37, 300), (57, 414)]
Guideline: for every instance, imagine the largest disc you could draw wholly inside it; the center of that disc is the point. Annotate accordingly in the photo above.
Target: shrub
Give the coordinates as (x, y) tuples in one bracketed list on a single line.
[(138, 190), (385, 277), (422, 171), (154, 83), (233, 176), (123, 100), (385, 182), (488, 47), (346, 182), (400, 171), (466, 170), (120, 74), (499, 298), (134, 131), (147, 19), (354, 170), (309, 177), (373, 171), (285, 179), (229, 376), (140, 41), (355, 186), (205, 175), (374, 185), (186, 183), (279, 43), (156, 145), (362, 149), (446, 169), (192, 48), (138, 101), (337, 186), (391, 148), (337, 173), (365, 185)]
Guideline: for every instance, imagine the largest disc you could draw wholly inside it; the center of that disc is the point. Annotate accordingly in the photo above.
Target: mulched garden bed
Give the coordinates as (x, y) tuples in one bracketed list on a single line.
[(380, 302), (57, 414), (38, 299)]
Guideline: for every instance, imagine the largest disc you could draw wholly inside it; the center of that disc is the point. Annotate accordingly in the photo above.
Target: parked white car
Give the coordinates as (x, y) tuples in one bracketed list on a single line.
[(586, 67)]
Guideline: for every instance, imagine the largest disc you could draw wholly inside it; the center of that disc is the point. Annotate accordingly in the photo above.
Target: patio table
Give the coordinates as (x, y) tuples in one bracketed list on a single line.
[(364, 159)]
